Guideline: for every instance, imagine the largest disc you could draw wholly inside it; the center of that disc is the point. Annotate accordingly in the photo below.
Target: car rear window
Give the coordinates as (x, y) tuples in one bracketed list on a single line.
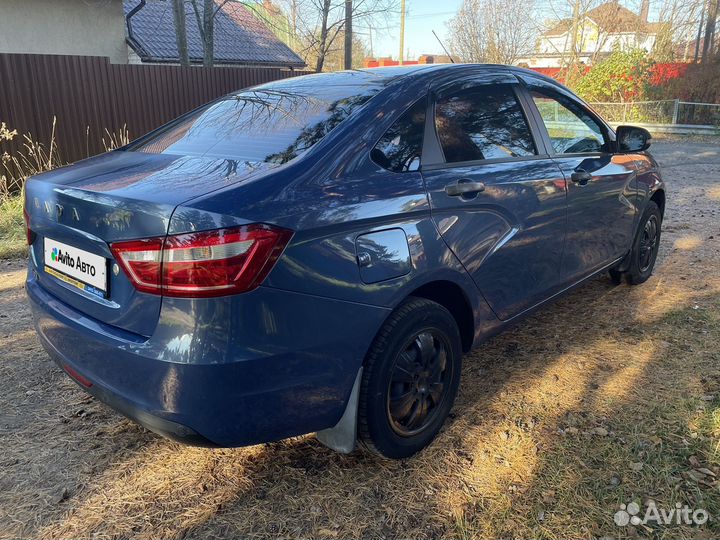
[(270, 124)]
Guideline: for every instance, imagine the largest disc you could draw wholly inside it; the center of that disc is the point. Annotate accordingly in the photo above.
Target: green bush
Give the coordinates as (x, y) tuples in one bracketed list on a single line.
[(622, 76)]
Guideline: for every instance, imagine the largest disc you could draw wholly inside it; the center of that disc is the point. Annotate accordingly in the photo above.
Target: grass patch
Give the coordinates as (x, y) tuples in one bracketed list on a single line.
[(12, 228), (658, 443)]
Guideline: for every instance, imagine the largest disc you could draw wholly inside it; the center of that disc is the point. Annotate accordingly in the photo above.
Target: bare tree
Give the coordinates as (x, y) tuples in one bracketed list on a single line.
[(322, 45), (320, 24), (712, 15), (181, 32), (317, 26), (494, 31), (676, 34), (591, 24), (205, 18)]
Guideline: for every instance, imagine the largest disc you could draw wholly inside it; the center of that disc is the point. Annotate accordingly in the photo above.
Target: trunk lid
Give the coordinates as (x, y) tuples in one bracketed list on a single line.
[(113, 197)]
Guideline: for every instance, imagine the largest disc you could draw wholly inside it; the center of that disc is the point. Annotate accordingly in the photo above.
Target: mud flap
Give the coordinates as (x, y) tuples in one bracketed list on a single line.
[(343, 436)]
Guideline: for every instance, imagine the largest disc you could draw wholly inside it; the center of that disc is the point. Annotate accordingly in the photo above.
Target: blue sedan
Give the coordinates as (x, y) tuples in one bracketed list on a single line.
[(316, 254)]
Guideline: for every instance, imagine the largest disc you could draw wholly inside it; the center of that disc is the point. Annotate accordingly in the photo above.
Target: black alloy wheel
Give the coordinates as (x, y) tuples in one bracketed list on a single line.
[(418, 383), (410, 378)]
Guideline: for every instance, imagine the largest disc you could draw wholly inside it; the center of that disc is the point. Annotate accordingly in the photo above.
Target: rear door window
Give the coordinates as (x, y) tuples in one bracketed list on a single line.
[(399, 149), (484, 122)]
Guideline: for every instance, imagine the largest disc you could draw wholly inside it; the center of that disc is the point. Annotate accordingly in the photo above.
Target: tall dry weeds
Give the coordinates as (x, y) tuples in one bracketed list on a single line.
[(117, 139), (33, 158)]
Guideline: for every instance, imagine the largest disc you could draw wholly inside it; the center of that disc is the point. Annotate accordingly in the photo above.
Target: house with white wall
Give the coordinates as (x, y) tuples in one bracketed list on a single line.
[(72, 27), (138, 31), (597, 33)]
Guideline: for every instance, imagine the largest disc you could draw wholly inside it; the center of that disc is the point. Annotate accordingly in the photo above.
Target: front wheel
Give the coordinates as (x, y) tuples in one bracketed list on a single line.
[(411, 377), (645, 246)]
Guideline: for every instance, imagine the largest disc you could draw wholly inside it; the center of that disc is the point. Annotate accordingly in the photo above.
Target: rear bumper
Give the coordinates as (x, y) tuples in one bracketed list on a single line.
[(254, 368), (157, 424)]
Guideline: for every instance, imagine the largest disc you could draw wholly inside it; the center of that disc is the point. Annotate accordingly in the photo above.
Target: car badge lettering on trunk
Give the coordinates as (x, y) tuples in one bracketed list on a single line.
[(58, 211), (75, 214)]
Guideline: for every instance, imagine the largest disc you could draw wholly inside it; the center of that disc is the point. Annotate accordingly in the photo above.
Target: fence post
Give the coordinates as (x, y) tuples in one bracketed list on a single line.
[(676, 108)]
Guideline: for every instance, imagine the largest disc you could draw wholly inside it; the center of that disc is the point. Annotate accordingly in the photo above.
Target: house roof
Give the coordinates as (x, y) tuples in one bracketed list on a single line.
[(610, 17), (240, 36)]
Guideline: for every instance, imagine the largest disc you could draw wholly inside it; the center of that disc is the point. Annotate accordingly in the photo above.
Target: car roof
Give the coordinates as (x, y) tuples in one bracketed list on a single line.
[(385, 75)]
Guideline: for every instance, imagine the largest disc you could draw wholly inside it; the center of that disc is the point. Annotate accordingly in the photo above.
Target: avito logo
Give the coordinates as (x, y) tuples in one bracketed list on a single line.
[(57, 255)]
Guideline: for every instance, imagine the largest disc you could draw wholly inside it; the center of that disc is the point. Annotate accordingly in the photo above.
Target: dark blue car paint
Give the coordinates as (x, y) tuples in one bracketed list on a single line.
[(383, 255), (253, 367), (281, 360)]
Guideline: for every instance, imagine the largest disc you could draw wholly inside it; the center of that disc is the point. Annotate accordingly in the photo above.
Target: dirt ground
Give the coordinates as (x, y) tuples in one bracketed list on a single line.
[(609, 396)]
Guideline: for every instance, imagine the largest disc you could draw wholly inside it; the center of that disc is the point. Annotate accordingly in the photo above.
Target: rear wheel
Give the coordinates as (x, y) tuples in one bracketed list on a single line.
[(410, 380)]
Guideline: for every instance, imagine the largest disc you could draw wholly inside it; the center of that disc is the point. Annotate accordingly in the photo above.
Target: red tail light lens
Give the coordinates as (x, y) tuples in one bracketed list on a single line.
[(142, 262), (203, 264), (226, 261), (29, 234)]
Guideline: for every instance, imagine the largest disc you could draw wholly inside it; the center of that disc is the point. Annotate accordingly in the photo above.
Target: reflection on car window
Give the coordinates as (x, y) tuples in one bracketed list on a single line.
[(482, 123), (264, 124), (400, 147), (571, 129)]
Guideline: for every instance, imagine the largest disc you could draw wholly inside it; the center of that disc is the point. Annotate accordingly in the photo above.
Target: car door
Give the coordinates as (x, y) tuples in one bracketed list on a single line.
[(601, 184), (497, 199)]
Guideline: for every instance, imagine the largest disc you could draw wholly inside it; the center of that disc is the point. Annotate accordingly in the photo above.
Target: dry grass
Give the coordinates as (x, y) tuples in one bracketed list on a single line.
[(611, 395), (12, 228), (33, 158)]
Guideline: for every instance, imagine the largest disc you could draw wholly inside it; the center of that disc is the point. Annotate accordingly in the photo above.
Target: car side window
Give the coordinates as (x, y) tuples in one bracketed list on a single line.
[(399, 149), (485, 122), (571, 129)]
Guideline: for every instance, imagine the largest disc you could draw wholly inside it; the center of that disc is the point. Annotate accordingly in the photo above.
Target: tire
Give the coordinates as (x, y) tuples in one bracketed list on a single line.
[(616, 276), (645, 245), (410, 380)]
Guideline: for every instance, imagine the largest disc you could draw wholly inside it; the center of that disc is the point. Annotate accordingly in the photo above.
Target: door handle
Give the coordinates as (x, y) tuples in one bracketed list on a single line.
[(464, 187), (581, 177)]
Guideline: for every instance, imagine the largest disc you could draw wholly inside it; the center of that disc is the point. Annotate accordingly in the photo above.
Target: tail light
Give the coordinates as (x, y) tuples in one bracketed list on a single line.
[(29, 234), (203, 264)]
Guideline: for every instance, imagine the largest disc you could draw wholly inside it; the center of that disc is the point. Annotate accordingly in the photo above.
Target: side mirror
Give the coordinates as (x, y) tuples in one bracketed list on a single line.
[(632, 139)]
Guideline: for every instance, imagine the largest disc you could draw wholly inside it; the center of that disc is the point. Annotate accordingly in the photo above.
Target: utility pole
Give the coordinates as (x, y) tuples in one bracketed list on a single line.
[(402, 31), (348, 34)]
